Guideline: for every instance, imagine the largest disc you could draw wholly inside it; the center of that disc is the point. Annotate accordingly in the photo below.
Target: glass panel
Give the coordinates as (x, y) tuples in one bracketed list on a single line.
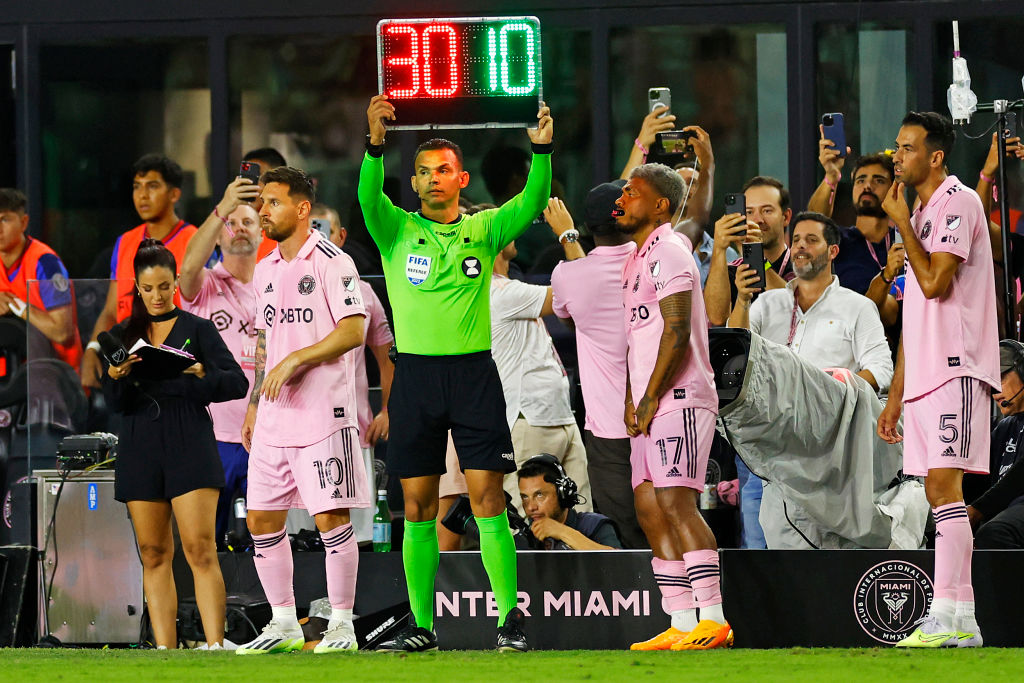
[(729, 80), (104, 105), (8, 151), (852, 60)]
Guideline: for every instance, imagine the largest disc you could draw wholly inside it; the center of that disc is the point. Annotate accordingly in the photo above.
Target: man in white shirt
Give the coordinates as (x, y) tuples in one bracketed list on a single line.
[(825, 324), (822, 322), (534, 381)]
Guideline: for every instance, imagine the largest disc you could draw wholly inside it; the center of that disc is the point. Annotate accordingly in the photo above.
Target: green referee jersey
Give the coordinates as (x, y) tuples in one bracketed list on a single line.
[(439, 275)]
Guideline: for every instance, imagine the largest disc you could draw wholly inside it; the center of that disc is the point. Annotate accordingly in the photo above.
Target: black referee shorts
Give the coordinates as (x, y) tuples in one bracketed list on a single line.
[(432, 394)]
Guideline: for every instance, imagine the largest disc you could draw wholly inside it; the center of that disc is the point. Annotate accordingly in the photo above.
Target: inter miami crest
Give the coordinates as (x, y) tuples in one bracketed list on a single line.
[(307, 284), (926, 230), (471, 267)]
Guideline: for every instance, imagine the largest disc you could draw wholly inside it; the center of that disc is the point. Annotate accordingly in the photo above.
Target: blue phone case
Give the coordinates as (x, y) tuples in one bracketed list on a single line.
[(835, 132)]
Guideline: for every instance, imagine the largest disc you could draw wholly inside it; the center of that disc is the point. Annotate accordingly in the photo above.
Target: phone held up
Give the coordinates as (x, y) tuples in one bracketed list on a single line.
[(321, 225), (832, 127), (737, 203), (659, 97), (753, 258), (250, 170)]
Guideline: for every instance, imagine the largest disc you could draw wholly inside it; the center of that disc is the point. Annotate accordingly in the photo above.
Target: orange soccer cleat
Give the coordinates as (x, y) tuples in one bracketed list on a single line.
[(707, 636), (663, 641)]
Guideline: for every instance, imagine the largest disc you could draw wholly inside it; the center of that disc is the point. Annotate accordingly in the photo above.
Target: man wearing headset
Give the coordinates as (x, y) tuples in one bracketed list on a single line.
[(548, 496), (997, 516)]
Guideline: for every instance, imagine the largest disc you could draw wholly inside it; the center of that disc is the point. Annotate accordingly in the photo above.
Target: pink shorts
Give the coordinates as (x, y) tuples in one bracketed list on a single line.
[(948, 428), (677, 451), (326, 475)]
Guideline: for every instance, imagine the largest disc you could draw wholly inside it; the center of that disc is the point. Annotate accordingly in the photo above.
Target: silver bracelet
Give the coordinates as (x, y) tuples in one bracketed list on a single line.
[(570, 235), (93, 346)]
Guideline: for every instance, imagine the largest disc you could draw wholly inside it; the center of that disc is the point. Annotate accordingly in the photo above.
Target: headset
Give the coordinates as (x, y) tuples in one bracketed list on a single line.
[(1017, 349), (565, 487)]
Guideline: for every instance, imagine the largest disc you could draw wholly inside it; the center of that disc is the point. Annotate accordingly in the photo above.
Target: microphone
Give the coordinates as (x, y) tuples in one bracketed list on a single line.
[(1007, 402), (112, 349), (960, 99)]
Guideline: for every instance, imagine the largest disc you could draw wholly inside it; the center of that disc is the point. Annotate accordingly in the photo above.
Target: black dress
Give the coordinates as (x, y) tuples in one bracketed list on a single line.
[(168, 451)]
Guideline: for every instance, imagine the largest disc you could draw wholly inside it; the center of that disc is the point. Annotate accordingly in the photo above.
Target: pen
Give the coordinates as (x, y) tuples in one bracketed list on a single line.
[(186, 343)]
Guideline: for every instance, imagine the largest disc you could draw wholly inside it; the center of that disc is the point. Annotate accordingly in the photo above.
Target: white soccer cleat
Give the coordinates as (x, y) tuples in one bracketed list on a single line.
[(274, 638), (341, 638)]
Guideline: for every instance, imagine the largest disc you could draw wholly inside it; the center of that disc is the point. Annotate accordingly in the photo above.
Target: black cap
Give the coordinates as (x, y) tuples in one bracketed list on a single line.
[(597, 210)]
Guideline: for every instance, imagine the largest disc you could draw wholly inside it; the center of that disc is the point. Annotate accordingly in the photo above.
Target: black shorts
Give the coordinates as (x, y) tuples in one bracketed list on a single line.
[(432, 394)]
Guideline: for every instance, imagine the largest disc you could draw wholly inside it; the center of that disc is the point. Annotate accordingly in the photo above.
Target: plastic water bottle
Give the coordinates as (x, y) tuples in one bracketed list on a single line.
[(382, 524)]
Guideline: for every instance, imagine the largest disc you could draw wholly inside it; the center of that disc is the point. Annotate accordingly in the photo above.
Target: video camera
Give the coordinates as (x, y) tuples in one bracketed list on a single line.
[(460, 520)]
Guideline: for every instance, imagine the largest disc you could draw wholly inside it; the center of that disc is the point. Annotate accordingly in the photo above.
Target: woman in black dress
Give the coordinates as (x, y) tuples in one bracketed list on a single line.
[(167, 455)]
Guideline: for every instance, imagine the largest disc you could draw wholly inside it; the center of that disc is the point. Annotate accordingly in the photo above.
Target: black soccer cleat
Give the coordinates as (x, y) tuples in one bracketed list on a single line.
[(412, 638), (510, 635)]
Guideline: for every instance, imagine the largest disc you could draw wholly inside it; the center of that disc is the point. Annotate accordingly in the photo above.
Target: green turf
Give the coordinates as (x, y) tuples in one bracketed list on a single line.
[(108, 666)]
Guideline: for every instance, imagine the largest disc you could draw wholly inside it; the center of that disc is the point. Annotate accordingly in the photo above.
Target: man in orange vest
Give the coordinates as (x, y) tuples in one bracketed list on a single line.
[(48, 302), (156, 190)]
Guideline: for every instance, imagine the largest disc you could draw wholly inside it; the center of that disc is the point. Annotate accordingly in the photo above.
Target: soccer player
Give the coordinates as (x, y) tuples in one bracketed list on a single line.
[(671, 404), (300, 427), (437, 265), (946, 381)]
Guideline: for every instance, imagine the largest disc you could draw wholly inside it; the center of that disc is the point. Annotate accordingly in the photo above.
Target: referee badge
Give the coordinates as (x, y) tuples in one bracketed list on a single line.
[(417, 268), (471, 267)]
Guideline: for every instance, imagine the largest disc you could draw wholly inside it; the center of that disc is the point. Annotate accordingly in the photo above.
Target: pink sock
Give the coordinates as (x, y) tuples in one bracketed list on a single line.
[(676, 593), (342, 564), (273, 562), (953, 543), (702, 568)]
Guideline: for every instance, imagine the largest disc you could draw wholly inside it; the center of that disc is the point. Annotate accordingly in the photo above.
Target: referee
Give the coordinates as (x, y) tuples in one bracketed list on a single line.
[(437, 265)]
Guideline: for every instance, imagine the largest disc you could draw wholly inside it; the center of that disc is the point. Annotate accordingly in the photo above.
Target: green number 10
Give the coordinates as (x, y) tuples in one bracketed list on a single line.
[(497, 52)]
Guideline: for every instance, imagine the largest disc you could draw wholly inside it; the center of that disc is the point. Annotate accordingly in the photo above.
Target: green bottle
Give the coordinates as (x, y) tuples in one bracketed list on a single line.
[(382, 524)]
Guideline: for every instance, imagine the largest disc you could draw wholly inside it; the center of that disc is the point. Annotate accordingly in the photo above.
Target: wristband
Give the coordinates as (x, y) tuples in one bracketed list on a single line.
[(881, 273), (570, 235), (93, 346), (374, 150), (640, 146), (836, 183), (542, 147), (217, 214), (988, 180)]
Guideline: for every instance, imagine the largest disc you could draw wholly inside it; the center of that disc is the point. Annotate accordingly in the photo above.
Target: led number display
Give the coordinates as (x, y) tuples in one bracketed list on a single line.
[(461, 73)]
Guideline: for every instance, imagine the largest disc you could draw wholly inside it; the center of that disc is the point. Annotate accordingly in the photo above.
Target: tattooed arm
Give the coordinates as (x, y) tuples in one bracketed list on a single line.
[(257, 385), (672, 350)]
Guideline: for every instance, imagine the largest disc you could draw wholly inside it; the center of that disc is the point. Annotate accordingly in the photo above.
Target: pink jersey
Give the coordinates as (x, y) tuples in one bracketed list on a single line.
[(377, 334), (954, 335), (664, 265), (230, 305), (299, 302), (586, 290)]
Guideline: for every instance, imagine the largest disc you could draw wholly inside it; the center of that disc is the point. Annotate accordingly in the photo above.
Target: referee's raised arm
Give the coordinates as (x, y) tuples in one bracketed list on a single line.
[(375, 204), (519, 212)]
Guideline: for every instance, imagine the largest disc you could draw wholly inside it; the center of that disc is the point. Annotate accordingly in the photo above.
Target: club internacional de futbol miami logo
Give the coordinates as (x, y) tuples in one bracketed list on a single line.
[(890, 599)]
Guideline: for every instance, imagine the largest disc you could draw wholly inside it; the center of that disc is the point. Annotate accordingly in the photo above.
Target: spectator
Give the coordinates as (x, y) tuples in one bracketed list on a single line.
[(49, 303), (505, 169), (823, 322), (532, 377), (886, 288), (156, 190), (768, 216), (863, 246), (586, 296), (365, 262), (224, 294), (998, 515), (548, 497)]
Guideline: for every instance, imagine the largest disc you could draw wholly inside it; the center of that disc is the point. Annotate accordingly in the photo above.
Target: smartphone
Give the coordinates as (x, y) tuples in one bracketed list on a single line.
[(832, 124), (659, 97), (673, 141), (753, 257), (322, 225), (899, 238), (737, 203), (250, 170)]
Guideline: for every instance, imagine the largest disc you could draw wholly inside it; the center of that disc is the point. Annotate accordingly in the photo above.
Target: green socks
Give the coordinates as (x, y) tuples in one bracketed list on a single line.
[(498, 552), (420, 556)]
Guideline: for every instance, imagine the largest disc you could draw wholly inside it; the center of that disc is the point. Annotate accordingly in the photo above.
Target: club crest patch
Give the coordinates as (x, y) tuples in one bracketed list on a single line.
[(417, 268), (926, 230), (307, 284)]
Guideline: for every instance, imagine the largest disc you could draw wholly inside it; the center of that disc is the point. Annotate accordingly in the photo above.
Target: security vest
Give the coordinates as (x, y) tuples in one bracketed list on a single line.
[(124, 256)]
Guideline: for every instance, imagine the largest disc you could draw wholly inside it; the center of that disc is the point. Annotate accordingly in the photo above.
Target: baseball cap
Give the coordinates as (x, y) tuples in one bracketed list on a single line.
[(597, 210)]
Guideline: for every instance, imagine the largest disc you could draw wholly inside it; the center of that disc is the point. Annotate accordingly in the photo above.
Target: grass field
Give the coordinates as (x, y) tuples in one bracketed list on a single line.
[(108, 666)]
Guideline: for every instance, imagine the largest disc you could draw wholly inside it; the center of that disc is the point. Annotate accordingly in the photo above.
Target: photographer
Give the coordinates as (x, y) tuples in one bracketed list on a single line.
[(548, 496)]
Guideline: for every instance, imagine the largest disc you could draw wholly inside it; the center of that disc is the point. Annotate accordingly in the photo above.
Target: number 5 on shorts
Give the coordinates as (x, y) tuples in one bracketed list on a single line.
[(946, 425)]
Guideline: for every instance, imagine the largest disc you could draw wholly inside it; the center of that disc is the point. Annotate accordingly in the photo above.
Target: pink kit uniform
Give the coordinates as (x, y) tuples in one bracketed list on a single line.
[(377, 334), (230, 305), (950, 343), (578, 293), (676, 453), (309, 431)]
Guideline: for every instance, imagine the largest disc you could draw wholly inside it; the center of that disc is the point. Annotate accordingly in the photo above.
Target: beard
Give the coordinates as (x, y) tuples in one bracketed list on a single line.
[(812, 268), (874, 210), (277, 232), (245, 247), (628, 226)]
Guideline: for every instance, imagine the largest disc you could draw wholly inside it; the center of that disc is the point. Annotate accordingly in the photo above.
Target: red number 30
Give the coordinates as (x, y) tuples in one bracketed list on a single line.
[(419, 60)]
